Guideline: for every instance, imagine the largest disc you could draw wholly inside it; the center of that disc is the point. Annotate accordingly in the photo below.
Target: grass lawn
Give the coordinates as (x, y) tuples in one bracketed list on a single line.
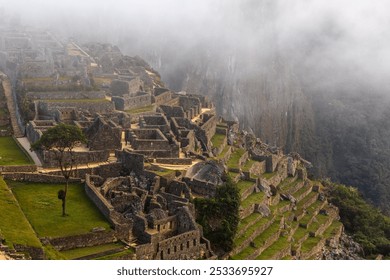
[(140, 110), (116, 255), (252, 199), (244, 185), (217, 140), (11, 154), (248, 165), (43, 209), (86, 251), (234, 158), (223, 153), (14, 226), (269, 175)]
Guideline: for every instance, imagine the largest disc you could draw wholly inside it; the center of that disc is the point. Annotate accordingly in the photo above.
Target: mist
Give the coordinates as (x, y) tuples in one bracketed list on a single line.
[(330, 41)]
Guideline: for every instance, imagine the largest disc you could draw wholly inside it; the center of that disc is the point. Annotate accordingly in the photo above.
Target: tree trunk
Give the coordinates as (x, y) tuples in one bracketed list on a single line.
[(64, 199)]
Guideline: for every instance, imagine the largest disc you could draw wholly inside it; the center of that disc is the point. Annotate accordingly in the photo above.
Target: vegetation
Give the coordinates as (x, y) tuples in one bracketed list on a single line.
[(217, 140), (38, 202), (62, 139), (367, 225), (87, 251), (235, 157), (11, 154), (14, 226), (141, 110), (219, 216)]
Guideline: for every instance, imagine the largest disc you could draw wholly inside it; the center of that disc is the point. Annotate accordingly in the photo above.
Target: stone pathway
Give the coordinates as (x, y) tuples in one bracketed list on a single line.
[(26, 145), (10, 104)]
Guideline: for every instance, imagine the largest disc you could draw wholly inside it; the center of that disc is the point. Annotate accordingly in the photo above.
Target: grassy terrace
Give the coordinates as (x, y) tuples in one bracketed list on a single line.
[(11, 154), (330, 231), (234, 158), (116, 255), (248, 165), (139, 110), (248, 220), (302, 190), (319, 220), (223, 153), (299, 233), (305, 199), (163, 172), (244, 185), (291, 184), (13, 224), (268, 175), (238, 241), (217, 140), (86, 251), (309, 244), (252, 199), (277, 246), (96, 100), (42, 208), (259, 240)]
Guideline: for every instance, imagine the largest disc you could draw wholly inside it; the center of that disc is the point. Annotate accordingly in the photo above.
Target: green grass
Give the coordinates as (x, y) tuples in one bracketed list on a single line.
[(223, 153), (309, 244), (259, 240), (163, 172), (252, 199), (116, 255), (248, 165), (11, 154), (277, 246), (244, 185), (302, 190), (13, 224), (330, 231), (299, 233), (86, 251), (140, 110), (43, 209), (217, 140), (248, 220), (269, 175), (234, 158), (305, 199), (239, 240)]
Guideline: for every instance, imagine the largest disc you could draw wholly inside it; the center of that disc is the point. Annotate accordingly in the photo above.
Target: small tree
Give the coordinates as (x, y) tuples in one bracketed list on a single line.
[(61, 140)]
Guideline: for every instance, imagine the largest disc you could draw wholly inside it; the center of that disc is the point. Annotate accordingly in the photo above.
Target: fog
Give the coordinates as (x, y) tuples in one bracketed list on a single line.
[(328, 41)]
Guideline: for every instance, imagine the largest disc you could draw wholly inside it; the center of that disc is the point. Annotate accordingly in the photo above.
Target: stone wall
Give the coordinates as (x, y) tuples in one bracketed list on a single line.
[(161, 98), (172, 111), (97, 198), (131, 161), (48, 109), (180, 247), (66, 95), (18, 168), (83, 240), (174, 161), (209, 125), (34, 252), (200, 187), (38, 178), (48, 158), (127, 102)]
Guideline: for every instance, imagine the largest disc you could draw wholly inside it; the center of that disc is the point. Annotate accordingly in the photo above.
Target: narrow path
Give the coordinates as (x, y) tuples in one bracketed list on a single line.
[(26, 145), (10, 104)]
